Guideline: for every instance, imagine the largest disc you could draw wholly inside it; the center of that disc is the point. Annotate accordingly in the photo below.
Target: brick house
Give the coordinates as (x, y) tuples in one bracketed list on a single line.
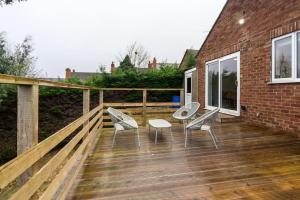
[(249, 64), (82, 76)]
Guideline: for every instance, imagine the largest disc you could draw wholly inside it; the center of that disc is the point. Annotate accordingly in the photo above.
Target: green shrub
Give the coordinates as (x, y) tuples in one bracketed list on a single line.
[(165, 77)]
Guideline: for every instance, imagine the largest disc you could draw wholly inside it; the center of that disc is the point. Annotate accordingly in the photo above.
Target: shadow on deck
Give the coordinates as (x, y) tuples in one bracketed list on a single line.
[(251, 163)]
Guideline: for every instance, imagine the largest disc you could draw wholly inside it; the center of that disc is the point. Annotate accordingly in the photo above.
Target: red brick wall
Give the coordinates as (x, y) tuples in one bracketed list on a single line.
[(278, 104)]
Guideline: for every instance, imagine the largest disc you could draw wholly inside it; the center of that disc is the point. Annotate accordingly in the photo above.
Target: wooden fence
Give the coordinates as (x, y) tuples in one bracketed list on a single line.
[(57, 174)]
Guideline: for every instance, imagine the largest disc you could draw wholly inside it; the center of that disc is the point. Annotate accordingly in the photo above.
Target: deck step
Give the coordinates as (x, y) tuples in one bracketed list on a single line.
[(224, 118)]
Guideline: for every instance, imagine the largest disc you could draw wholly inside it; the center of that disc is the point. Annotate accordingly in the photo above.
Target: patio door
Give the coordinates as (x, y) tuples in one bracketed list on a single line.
[(222, 84), (188, 87)]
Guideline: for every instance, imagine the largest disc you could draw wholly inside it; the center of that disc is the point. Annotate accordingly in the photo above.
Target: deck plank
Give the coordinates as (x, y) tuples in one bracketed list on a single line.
[(251, 163)]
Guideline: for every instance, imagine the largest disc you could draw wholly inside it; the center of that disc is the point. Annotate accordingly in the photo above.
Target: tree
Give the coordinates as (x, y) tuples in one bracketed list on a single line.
[(138, 55), (2, 2), (19, 61), (126, 63), (191, 61), (102, 68)]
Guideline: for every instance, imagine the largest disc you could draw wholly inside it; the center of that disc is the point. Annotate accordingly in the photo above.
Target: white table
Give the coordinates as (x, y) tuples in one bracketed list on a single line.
[(160, 124)]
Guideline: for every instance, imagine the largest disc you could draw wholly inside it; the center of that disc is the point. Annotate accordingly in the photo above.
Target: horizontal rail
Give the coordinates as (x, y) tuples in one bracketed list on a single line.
[(27, 190), (17, 80), (141, 89), (11, 170), (148, 104), (77, 156), (134, 111)]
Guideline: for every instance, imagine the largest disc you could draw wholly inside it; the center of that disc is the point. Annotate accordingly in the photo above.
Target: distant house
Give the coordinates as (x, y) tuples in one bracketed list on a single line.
[(155, 65), (249, 64), (83, 76)]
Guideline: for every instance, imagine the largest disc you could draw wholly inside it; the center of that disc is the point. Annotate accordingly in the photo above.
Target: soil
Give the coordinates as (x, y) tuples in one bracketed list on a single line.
[(55, 112)]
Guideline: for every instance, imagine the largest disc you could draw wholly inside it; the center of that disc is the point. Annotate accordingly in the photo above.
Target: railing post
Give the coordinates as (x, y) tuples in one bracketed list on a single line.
[(101, 106), (27, 121), (181, 97), (144, 106), (86, 105)]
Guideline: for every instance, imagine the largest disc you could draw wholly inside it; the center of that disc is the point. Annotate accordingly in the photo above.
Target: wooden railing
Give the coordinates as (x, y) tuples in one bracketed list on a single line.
[(58, 173), (144, 110)]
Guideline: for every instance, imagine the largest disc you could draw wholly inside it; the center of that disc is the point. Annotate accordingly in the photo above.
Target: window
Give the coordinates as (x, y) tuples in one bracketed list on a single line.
[(222, 88), (283, 58), (286, 58), (213, 84), (189, 85)]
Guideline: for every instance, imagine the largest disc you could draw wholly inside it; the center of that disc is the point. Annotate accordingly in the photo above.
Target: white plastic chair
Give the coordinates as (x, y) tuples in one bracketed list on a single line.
[(122, 122), (204, 123), (186, 112)]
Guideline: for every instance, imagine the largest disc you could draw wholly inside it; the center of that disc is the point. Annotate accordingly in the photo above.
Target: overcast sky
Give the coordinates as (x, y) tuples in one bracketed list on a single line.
[(84, 34)]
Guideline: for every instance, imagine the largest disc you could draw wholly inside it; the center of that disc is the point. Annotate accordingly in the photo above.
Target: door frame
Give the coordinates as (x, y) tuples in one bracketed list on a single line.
[(219, 60), (188, 74)]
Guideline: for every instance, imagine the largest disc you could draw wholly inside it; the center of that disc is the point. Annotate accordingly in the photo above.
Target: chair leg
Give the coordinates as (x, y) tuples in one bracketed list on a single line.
[(156, 136), (171, 134), (213, 133), (138, 136), (213, 138), (186, 132), (184, 127), (113, 143)]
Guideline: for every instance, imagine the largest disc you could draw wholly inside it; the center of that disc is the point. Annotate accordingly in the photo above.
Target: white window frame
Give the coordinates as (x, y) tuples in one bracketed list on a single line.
[(208, 107), (188, 74), (294, 59), (223, 110)]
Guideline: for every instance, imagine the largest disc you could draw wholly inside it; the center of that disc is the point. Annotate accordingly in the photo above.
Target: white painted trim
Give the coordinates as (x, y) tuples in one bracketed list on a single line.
[(226, 111), (190, 70), (206, 84), (293, 78), (296, 56), (187, 75)]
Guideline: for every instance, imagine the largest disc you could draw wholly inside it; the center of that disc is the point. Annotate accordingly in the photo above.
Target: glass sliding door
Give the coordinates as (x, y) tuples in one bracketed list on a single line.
[(229, 80), (222, 84), (213, 84)]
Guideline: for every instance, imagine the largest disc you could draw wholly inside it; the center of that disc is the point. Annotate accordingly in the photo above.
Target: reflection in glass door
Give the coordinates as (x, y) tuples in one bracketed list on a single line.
[(229, 81), (222, 89), (213, 84)]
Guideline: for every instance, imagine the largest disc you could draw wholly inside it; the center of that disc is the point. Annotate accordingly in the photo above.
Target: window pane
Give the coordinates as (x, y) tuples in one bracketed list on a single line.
[(213, 84), (189, 85), (283, 58), (298, 55), (229, 83)]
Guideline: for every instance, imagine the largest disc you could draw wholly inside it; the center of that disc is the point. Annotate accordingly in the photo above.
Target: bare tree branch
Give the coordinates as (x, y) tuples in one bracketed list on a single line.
[(2, 2), (138, 55)]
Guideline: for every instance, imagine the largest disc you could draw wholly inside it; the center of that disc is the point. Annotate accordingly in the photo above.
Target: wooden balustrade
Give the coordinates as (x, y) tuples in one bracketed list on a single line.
[(62, 168)]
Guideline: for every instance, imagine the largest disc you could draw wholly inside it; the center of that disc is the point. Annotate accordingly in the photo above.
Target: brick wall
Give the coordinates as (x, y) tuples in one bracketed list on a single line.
[(278, 104)]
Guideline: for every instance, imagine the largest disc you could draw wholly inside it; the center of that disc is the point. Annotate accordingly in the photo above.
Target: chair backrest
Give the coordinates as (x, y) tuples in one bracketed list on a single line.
[(208, 117), (187, 111), (119, 117), (115, 115)]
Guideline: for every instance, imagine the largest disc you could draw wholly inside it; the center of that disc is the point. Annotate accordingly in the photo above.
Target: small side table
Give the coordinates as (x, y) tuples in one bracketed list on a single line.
[(160, 124)]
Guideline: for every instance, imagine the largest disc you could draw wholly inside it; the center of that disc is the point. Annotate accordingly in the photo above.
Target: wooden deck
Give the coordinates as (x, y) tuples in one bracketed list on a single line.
[(251, 163)]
